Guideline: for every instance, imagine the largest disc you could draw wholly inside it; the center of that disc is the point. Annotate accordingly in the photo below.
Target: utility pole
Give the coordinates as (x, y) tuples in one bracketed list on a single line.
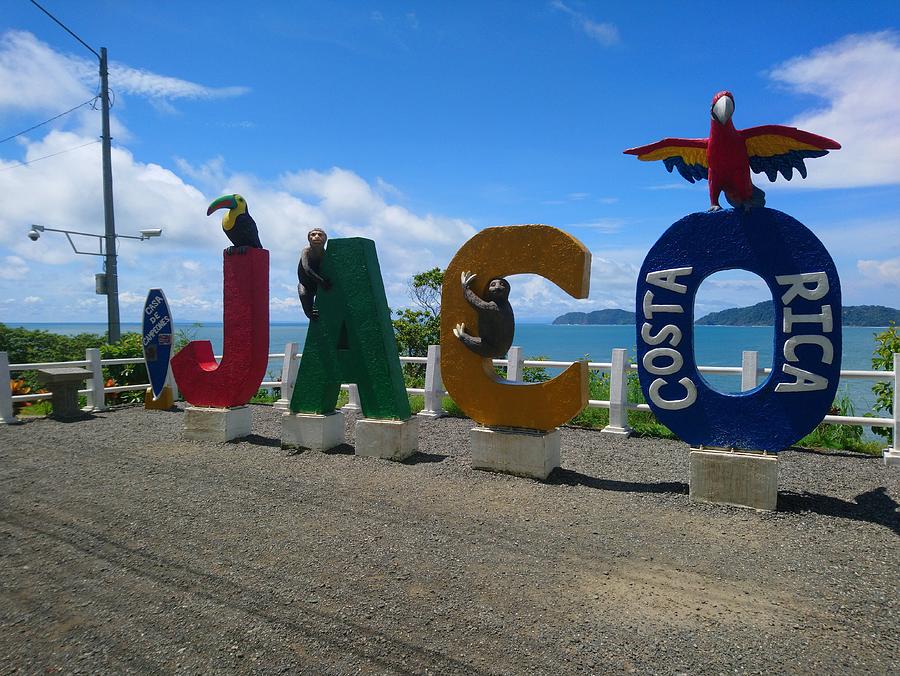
[(109, 218), (110, 267)]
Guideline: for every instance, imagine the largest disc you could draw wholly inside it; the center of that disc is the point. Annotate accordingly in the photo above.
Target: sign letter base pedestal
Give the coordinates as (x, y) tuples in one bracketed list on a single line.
[(892, 457), (740, 479), (164, 403), (387, 439), (216, 424), (521, 452), (312, 431)]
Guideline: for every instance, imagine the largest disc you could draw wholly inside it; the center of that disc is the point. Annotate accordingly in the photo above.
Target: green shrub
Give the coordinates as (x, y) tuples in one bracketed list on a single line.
[(883, 360), (29, 346), (840, 437), (263, 396), (125, 374)]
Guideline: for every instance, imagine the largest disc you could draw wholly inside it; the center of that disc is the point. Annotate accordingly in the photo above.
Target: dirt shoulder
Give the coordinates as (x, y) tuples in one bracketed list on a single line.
[(124, 548)]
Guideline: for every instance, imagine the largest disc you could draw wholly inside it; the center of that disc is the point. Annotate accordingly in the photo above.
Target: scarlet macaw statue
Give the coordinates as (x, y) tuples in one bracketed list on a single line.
[(727, 156)]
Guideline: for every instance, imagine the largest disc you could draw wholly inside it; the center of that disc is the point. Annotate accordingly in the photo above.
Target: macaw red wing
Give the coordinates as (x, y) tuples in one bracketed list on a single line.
[(774, 148), (688, 155)]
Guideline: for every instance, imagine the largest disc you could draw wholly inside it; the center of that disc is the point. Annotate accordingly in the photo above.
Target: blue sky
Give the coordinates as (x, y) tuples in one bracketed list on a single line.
[(417, 124)]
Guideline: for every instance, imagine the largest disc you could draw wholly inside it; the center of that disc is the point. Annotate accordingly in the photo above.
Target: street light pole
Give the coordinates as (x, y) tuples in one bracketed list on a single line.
[(109, 218)]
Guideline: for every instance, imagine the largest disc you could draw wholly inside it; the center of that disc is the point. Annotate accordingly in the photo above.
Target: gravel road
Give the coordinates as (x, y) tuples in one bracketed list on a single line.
[(125, 549)]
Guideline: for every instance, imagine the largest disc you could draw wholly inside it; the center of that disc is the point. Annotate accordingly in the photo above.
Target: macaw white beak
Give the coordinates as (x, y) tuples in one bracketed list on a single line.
[(723, 109)]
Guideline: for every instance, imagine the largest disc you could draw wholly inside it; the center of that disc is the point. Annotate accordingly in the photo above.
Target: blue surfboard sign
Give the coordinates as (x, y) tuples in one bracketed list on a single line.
[(157, 339)]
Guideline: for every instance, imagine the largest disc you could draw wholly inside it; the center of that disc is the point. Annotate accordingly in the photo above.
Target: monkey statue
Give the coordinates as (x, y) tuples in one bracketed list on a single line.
[(496, 323), (308, 271)]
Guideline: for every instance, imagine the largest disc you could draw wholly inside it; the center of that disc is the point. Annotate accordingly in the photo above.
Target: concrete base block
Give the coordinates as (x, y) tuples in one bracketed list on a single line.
[(521, 452), (891, 457), (216, 424), (741, 479), (387, 439), (312, 431)]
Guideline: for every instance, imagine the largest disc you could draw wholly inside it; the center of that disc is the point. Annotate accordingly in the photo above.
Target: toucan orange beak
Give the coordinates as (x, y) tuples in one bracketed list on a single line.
[(225, 201)]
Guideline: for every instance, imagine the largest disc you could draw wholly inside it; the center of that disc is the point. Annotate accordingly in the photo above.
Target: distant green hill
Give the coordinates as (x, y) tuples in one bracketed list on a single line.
[(608, 317), (760, 314)]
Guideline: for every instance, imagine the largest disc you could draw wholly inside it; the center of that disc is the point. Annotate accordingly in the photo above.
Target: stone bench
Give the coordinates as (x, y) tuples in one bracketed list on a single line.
[(63, 384)]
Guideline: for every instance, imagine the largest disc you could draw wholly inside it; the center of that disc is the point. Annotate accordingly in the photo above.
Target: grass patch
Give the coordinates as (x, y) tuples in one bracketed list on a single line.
[(37, 408)]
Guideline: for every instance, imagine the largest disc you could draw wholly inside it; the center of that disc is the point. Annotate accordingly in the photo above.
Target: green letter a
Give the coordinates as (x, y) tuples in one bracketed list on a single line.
[(352, 341)]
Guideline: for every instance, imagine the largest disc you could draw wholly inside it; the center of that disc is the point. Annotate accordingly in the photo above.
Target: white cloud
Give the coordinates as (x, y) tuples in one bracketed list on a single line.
[(865, 238), (37, 78), (859, 77), (668, 186), (884, 272), (613, 277), (31, 300), (131, 298), (604, 225), (141, 82), (605, 33), (351, 206), (13, 268), (186, 260)]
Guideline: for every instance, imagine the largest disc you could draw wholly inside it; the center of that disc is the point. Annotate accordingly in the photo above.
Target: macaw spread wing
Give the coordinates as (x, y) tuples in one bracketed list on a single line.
[(687, 155), (774, 148)]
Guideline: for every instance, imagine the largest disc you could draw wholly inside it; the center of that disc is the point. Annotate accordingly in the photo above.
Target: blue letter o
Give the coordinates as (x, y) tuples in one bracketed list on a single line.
[(806, 360)]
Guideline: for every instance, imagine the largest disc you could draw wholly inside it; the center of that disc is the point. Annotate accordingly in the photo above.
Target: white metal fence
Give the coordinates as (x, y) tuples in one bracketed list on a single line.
[(618, 368)]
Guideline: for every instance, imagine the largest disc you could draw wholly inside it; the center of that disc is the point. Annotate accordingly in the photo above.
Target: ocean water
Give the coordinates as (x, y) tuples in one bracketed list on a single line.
[(714, 346)]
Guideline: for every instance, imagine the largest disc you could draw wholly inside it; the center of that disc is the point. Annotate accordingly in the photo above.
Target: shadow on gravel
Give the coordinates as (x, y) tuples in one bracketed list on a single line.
[(342, 449), (834, 453), (258, 440), (874, 506), (84, 417), (568, 477), (420, 458)]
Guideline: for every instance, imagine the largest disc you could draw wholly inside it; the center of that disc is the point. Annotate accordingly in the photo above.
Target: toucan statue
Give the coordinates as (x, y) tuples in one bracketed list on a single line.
[(237, 223), (727, 156)]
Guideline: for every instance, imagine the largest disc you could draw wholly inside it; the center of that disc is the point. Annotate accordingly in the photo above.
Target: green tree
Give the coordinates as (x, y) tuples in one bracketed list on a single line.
[(418, 327), (883, 360)]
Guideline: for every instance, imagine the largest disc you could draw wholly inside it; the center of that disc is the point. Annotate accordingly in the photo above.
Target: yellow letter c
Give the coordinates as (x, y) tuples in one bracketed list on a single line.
[(469, 378)]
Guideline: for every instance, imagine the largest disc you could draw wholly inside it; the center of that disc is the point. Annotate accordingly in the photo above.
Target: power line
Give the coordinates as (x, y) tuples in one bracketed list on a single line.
[(66, 28), (38, 159), (41, 124)]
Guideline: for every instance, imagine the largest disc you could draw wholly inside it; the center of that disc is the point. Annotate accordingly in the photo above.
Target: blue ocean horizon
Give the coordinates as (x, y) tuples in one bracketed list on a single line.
[(714, 346)]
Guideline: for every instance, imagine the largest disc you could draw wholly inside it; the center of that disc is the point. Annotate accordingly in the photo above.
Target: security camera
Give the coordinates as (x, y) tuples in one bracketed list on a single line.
[(33, 235), (151, 232)]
